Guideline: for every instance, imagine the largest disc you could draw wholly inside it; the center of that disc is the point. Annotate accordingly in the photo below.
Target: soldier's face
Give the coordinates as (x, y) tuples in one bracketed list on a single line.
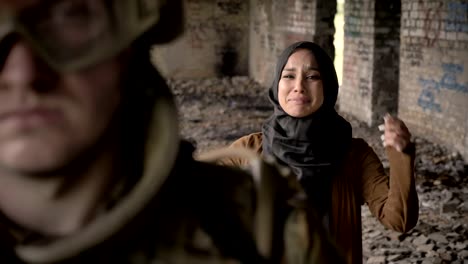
[(47, 118)]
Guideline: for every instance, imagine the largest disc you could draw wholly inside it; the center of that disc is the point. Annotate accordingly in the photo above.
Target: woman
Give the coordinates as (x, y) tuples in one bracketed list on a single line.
[(338, 173)]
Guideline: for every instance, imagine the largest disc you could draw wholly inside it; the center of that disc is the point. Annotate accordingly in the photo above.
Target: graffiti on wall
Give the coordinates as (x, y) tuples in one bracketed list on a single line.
[(364, 87), (363, 49), (449, 79), (354, 18), (351, 28), (432, 22), (427, 98), (431, 88), (231, 7), (350, 71), (457, 20), (413, 53)]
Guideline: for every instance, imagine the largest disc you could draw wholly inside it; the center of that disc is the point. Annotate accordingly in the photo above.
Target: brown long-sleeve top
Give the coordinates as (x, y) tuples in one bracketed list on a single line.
[(392, 199)]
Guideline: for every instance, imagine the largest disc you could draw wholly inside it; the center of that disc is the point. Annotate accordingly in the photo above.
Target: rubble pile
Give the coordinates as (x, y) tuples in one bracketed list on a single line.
[(214, 112)]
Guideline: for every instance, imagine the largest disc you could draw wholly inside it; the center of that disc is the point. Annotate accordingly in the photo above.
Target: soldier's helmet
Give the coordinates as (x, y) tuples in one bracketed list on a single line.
[(74, 34)]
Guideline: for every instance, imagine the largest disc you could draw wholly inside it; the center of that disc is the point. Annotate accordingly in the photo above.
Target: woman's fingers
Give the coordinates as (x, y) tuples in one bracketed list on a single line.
[(396, 141), (395, 133)]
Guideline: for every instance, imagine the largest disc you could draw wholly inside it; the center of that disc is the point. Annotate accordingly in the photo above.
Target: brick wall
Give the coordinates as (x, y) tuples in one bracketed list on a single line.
[(237, 37), (215, 41), (434, 71), (277, 24), (355, 94), (408, 57), (371, 59)]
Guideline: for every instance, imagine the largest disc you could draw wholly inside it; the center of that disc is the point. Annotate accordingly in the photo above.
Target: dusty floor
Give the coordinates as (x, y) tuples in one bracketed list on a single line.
[(215, 112)]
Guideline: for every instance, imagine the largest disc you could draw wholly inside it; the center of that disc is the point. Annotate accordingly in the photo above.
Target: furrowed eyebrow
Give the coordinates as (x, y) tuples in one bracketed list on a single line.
[(311, 68)]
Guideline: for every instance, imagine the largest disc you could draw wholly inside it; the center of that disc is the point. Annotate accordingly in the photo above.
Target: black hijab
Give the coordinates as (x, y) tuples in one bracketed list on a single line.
[(312, 146)]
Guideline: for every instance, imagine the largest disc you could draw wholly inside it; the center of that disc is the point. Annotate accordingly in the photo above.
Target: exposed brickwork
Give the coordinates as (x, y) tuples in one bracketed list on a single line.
[(408, 57), (434, 71), (215, 41), (225, 37), (355, 96)]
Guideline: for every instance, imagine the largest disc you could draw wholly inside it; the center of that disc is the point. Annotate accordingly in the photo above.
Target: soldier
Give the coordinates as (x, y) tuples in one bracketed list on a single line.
[(91, 167)]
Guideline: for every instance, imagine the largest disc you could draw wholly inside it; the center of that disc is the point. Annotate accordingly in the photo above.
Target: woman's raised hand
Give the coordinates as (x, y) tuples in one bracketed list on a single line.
[(395, 133)]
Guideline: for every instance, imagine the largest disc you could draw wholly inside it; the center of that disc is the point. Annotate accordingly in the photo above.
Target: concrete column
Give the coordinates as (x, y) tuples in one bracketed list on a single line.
[(370, 59)]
